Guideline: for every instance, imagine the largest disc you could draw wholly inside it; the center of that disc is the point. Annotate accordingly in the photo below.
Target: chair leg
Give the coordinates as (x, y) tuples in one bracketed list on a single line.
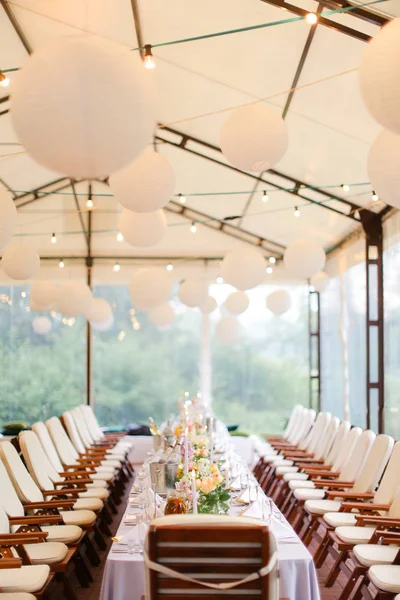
[(311, 529), (287, 501), (82, 573), (352, 583), (69, 591), (322, 551), (334, 572), (98, 538)]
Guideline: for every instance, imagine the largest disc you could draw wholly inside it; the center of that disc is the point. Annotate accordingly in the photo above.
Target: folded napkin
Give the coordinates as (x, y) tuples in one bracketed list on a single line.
[(235, 485), (244, 498)]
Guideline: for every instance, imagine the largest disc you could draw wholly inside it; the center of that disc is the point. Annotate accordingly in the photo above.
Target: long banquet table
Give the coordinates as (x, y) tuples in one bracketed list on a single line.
[(124, 573)]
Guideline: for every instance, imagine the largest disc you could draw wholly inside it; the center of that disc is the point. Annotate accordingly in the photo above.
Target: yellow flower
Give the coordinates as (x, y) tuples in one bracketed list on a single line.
[(207, 485)]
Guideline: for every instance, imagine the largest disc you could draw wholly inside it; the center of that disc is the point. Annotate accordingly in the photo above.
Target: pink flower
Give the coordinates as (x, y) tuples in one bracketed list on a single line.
[(207, 485)]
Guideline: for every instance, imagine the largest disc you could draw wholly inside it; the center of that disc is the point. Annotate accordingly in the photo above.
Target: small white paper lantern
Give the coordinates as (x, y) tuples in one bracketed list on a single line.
[(20, 262), (41, 325), (42, 295), (236, 303), (320, 281), (8, 218), (99, 311), (228, 330), (145, 185), (73, 298), (380, 78), (279, 302), (83, 106), (383, 167), (243, 268), (149, 288), (209, 305), (254, 138), (143, 229), (304, 258), (193, 292), (162, 316), (102, 326)]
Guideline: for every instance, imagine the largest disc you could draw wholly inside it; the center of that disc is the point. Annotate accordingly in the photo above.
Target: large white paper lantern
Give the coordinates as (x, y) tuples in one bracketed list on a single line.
[(42, 295), (8, 218), (149, 288), (143, 229), (383, 167), (162, 316), (145, 185), (380, 77), (193, 292), (20, 262), (102, 326), (209, 305), (279, 302), (320, 281), (237, 302), (228, 330), (254, 138), (41, 325), (83, 106), (303, 258), (243, 268), (99, 311), (73, 298)]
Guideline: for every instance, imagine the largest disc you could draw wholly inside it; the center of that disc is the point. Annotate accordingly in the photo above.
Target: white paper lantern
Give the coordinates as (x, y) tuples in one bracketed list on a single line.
[(228, 330), (383, 167), (73, 298), (162, 316), (279, 302), (83, 106), (102, 326), (304, 258), (42, 295), (145, 185), (8, 218), (143, 229), (149, 288), (20, 262), (41, 325), (209, 305), (380, 77), (193, 292), (320, 281), (243, 268), (236, 303), (99, 311), (254, 138)]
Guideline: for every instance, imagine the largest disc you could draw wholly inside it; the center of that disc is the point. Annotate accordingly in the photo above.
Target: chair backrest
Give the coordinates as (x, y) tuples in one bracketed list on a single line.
[(4, 523), (37, 461), (42, 432), (212, 549), (375, 464), (357, 459), (294, 420), (8, 497), (340, 438), (318, 431), (73, 434), (82, 427), (23, 483), (63, 444), (390, 481), (346, 450), (92, 422), (394, 510), (325, 444), (304, 430)]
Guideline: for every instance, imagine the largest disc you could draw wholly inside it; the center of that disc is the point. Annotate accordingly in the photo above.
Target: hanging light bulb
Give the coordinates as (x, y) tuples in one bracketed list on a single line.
[(89, 204), (53, 238), (116, 267), (220, 279), (61, 264), (345, 187), (4, 81), (170, 267), (148, 57), (269, 270), (182, 198), (265, 196), (193, 227), (23, 294), (375, 197), (272, 260), (296, 211), (120, 237), (311, 18)]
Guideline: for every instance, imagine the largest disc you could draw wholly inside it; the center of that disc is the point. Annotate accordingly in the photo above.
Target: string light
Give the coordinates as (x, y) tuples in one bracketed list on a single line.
[(148, 57), (89, 204), (296, 211), (61, 264), (182, 198), (375, 197), (121, 335), (116, 267), (4, 81), (269, 270), (170, 267), (311, 18), (193, 227), (220, 279), (265, 196), (345, 187), (272, 260), (120, 237), (53, 238), (23, 294)]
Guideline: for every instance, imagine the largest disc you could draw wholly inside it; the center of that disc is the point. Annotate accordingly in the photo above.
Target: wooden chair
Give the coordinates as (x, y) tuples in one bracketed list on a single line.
[(15, 577), (207, 556)]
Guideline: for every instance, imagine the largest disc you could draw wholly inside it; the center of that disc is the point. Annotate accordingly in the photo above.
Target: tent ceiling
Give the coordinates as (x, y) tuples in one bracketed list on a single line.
[(330, 130)]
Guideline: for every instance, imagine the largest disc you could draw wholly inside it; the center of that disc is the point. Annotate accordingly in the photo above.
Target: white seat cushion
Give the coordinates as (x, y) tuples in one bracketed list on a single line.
[(110, 462), (337, 519), (88, 503), (295, 476), (308, 494), (93, 492), (78, 517), (286, 469), (320, 507), (47, 553), (16, 596), (354, 535), (385, 577), (69, 534), (27, 579), (97, 483), (295, 485), (374, 554), (102, 475), (283, 462)]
